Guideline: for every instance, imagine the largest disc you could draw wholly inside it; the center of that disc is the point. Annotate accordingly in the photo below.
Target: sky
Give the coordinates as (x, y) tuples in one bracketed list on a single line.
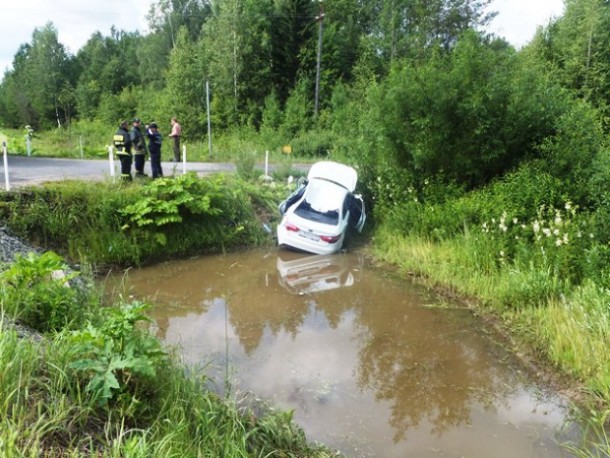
[(76, 21)]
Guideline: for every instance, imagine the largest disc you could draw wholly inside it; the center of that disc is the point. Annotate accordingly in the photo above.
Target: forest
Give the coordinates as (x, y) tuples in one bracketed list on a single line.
[(486, 166)]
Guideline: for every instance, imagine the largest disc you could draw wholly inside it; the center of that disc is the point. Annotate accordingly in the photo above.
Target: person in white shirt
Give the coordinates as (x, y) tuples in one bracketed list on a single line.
[(175, 134)]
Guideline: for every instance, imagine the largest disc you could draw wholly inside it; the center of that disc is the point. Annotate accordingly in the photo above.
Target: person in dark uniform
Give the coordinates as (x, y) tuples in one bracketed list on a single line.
[(154, 147), (139, 148), (122, 142)]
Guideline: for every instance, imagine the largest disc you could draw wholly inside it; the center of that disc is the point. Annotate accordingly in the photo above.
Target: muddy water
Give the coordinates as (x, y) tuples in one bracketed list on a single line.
[(372, 365)]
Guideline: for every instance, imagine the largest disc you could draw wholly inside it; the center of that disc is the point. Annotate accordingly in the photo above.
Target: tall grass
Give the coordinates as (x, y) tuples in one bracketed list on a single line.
[(44, 413)]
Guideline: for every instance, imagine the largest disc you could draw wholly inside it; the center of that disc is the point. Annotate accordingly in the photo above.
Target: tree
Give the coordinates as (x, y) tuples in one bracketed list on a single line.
[(236, 47), (578, 46), (45, 71), (470, 115), (411, 28), (185, 91)]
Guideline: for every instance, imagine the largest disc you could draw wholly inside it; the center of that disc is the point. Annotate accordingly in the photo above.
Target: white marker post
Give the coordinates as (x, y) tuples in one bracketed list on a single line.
[(183, 159), (111, 162), (5, 154), (267, 163)]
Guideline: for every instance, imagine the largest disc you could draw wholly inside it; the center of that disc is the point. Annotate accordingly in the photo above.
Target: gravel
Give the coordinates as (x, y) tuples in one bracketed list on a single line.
[(11, 246)]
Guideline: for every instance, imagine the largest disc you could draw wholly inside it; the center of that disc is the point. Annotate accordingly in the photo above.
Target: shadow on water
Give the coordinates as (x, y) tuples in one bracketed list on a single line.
[(372, 365)]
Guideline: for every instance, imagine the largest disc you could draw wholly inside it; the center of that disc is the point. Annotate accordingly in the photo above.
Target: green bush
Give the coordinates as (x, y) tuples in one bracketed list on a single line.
[(117, 359), (39, 290)]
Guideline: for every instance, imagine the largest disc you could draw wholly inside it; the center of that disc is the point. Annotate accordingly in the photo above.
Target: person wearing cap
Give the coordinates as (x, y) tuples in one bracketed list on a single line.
[(122, 143), (139, 148), (154, 147)]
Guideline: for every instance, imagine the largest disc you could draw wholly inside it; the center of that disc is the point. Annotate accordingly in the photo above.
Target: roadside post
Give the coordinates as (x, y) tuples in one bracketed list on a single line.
[(111, 161), (183, 159), (5, 155), (29, 132)]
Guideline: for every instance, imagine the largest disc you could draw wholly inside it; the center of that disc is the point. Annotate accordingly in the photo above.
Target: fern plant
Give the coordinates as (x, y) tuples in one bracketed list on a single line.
[(168, 200)]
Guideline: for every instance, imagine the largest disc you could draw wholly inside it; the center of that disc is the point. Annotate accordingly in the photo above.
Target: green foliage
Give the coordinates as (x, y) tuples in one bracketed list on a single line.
[(134, 222), (115, 357), (39, 291), (571, 154), (298, 112), (169, 200)]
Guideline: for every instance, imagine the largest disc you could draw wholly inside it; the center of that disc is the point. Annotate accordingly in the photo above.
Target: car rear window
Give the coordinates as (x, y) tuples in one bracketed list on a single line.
[(322, 203)]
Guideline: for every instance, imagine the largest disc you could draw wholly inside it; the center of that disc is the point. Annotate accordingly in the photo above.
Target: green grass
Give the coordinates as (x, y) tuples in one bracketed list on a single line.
[(568, 325)]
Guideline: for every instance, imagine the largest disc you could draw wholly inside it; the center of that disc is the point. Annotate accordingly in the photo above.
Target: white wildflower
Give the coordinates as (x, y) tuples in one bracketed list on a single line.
[(558, 242), (536, 227), (546, 231)]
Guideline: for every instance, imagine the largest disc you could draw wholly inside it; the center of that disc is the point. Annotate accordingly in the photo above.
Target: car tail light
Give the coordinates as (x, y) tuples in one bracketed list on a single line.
[(291, 227), (330, 238)]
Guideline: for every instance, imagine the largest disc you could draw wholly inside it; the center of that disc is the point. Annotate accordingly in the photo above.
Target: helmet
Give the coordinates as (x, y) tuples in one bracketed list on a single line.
[(136, 120), (153, 125), (123, 123)]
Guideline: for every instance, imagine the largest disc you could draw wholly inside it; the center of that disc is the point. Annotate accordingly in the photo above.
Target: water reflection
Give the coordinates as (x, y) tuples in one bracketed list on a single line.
[(301, 274), (369, 367)]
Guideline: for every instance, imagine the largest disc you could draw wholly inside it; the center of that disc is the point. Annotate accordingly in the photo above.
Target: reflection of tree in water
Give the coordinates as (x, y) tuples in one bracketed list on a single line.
[(250, 314), (430, 364)]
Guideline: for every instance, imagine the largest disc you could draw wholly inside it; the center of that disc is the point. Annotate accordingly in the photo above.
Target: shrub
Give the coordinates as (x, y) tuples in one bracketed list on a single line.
[(39, 291)]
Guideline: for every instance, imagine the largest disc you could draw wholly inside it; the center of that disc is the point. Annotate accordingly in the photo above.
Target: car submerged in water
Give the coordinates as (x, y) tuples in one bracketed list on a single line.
[(317, 215)]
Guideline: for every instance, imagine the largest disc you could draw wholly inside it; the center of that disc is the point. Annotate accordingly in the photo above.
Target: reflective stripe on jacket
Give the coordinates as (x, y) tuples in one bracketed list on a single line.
[(122, 142)]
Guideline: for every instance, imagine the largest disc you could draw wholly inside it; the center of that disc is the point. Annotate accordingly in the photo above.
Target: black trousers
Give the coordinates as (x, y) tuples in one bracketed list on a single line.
[(155, 164), (139, 159), (125, 160)]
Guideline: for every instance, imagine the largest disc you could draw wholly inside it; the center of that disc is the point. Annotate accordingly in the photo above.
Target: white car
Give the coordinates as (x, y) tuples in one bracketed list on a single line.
[(317, 215)]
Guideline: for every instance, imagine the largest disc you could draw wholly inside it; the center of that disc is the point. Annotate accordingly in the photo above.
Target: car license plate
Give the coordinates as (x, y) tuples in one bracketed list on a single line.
[(309, 236)]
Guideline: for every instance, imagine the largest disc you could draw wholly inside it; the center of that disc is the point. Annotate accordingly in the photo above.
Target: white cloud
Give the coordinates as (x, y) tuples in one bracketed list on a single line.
[(518, 20), (75, 22)]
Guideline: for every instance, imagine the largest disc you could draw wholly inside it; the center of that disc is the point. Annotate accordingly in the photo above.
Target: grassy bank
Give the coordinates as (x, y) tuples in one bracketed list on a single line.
[(521, 252), (135, 223)]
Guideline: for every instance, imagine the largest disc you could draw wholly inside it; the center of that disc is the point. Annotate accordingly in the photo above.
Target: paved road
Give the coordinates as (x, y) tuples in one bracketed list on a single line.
[(24, 170)]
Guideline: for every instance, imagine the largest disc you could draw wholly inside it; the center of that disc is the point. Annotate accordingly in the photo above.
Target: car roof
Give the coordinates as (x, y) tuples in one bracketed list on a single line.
[(341, 174)]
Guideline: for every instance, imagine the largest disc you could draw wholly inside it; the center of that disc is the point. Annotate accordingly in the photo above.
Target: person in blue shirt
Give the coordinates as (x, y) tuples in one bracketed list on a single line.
[(155, 139)]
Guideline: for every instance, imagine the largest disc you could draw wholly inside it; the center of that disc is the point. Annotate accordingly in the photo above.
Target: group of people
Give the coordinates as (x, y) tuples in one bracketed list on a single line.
[(132, 148)]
